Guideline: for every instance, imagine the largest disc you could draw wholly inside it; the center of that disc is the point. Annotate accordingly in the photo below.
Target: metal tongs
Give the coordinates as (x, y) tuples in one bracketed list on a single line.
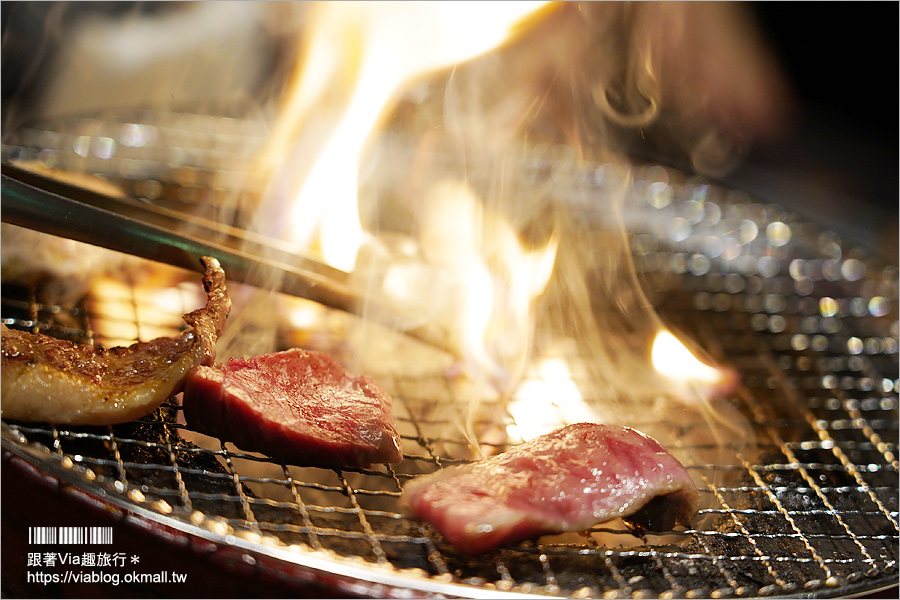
[(156, 233), (153, 232)]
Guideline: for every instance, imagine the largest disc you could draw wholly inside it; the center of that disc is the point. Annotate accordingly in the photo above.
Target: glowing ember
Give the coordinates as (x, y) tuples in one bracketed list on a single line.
[(302, 314), (127, 313), (358, 55), (547, 401)]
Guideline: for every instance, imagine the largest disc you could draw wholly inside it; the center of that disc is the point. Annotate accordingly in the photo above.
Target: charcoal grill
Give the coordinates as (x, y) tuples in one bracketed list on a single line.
[(810, 510)]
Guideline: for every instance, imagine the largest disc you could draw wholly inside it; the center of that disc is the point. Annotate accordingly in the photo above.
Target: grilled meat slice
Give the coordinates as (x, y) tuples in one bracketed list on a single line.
[(566, 480), (298, 406), (56, 381)]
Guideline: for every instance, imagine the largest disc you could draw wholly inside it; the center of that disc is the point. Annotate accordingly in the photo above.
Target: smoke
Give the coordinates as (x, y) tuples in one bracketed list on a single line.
[(522, 125), (64, 59), (589, 83)]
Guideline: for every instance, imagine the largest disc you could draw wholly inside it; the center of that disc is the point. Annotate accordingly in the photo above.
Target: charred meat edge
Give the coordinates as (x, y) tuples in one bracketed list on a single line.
[(45, 379)]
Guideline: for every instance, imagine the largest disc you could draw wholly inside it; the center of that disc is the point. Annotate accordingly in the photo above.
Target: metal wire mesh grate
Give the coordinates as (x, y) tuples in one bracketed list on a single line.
[(810, 507)]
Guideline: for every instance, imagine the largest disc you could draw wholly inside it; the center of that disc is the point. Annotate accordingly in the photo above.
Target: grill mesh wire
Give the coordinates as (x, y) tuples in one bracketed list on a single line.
[(811, 327)]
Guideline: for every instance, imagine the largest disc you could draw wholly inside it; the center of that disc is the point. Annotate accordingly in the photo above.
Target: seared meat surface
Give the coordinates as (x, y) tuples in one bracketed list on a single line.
[(298, 406), (567, 480), (56, 381)]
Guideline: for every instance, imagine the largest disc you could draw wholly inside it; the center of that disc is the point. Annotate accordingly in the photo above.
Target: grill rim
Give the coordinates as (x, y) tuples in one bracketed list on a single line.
[(351, 574), (352, 571)]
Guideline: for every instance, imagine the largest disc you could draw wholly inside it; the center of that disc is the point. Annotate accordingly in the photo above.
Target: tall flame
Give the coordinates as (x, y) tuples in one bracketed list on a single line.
[(493, 278), (357, 56)]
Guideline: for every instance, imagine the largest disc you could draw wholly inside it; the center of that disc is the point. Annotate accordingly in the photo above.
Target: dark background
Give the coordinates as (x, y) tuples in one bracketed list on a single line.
[(839, 164)]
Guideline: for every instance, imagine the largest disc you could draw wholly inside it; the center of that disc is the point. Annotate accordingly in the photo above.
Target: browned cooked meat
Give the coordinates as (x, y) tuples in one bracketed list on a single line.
[(297, 405), (56, 381), (566, 480)]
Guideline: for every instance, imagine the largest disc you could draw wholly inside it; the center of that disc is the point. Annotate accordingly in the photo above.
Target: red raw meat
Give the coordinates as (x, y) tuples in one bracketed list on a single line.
[(567, 480), (299, 406)]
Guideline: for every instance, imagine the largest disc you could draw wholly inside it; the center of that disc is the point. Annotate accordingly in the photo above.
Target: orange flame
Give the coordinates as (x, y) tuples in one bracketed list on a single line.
[(358, 55), (673, 360), (548, 400), (493, 278)]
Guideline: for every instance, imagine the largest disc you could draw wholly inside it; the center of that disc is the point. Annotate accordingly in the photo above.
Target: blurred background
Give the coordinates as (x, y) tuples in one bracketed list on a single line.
[(838, 164), (834, 160)]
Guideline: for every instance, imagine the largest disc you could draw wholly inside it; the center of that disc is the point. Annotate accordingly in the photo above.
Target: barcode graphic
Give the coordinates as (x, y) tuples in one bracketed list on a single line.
[(70, 535)]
